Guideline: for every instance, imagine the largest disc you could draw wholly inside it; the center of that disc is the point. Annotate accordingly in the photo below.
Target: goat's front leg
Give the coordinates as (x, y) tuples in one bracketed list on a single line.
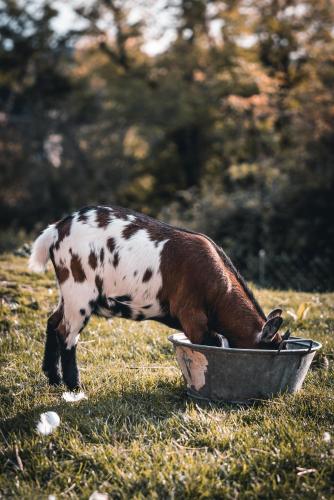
[(195, 325), (212, 338)]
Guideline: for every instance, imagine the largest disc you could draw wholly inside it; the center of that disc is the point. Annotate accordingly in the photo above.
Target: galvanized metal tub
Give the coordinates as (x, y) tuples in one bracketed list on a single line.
[(240, 375)]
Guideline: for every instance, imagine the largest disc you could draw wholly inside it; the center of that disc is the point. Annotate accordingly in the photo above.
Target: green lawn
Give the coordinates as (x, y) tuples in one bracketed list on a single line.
[(138, 435)]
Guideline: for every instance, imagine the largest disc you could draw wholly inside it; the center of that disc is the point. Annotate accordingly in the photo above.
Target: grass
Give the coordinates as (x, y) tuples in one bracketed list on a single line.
[(138, 435)]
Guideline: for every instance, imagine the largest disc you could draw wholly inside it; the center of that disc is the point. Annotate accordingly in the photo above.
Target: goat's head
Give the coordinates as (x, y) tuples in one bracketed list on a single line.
[(270, 337)]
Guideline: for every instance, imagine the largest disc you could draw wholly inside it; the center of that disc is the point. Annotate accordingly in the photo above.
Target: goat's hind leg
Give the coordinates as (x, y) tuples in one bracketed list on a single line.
[(69, 365), (51, 361), (73, 323)]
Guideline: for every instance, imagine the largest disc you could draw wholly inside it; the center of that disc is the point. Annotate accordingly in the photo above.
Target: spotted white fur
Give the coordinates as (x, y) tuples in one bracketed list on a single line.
[(136, 255)]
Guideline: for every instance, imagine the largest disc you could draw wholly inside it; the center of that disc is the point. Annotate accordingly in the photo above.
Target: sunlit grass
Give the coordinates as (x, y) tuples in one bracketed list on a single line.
[(138, 435)]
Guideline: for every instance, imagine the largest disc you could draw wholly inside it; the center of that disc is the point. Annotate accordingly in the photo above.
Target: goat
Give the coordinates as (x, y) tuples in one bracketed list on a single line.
[(111, 261)]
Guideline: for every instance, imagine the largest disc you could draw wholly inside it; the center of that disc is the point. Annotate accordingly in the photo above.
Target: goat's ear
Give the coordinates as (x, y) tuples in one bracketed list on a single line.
[(270, 328), (274, 313)]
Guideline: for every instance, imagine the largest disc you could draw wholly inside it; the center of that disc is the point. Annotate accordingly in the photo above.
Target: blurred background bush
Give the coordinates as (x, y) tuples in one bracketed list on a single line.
[(214, 115)]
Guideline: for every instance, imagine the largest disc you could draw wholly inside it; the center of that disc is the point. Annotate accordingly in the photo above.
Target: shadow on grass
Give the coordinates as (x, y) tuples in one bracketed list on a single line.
[(129, 407)]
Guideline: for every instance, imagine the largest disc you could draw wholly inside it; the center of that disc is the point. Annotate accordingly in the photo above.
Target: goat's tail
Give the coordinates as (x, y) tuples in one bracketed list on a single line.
[(41, 249)]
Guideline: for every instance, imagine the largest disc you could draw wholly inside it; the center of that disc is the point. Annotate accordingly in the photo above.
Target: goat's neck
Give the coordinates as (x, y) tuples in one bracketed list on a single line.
[(238, 318)]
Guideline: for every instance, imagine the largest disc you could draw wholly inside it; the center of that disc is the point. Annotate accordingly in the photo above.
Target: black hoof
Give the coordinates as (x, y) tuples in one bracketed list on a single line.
[(212, 339), (54, 378), (73, 384), (76, 388), (73, 388), (219, 341)]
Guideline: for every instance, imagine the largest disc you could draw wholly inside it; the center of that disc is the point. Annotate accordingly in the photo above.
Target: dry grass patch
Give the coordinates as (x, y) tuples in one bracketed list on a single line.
[(137, 435)]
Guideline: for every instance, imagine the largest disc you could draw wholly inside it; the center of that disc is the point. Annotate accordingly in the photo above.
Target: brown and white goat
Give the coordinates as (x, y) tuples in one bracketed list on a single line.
[(115, 262)]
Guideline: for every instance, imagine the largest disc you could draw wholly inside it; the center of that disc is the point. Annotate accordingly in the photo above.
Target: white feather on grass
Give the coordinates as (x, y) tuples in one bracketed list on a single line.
[(48, 422), (98, 496), (72, 397), (326, 437)]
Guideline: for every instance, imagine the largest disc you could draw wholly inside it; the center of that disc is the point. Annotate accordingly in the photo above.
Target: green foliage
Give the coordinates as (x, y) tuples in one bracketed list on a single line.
[(230, 128), (138, 435)]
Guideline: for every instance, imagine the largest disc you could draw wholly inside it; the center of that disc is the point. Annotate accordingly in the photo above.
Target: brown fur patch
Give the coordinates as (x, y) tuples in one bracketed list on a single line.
[(82, 214), (130, 230), (147, 275), (120, 213), (56, 316), (61, 328), (82, 218), (156, 231), (92, 260), (77, 269), (103, 216), (64, 229), (111, 244), (213, 295), (57, 321), (102, 255), (62, 273), (116, 259)]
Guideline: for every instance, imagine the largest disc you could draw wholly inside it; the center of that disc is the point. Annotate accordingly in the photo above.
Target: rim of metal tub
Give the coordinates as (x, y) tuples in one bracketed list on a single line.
[(180, 339)]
